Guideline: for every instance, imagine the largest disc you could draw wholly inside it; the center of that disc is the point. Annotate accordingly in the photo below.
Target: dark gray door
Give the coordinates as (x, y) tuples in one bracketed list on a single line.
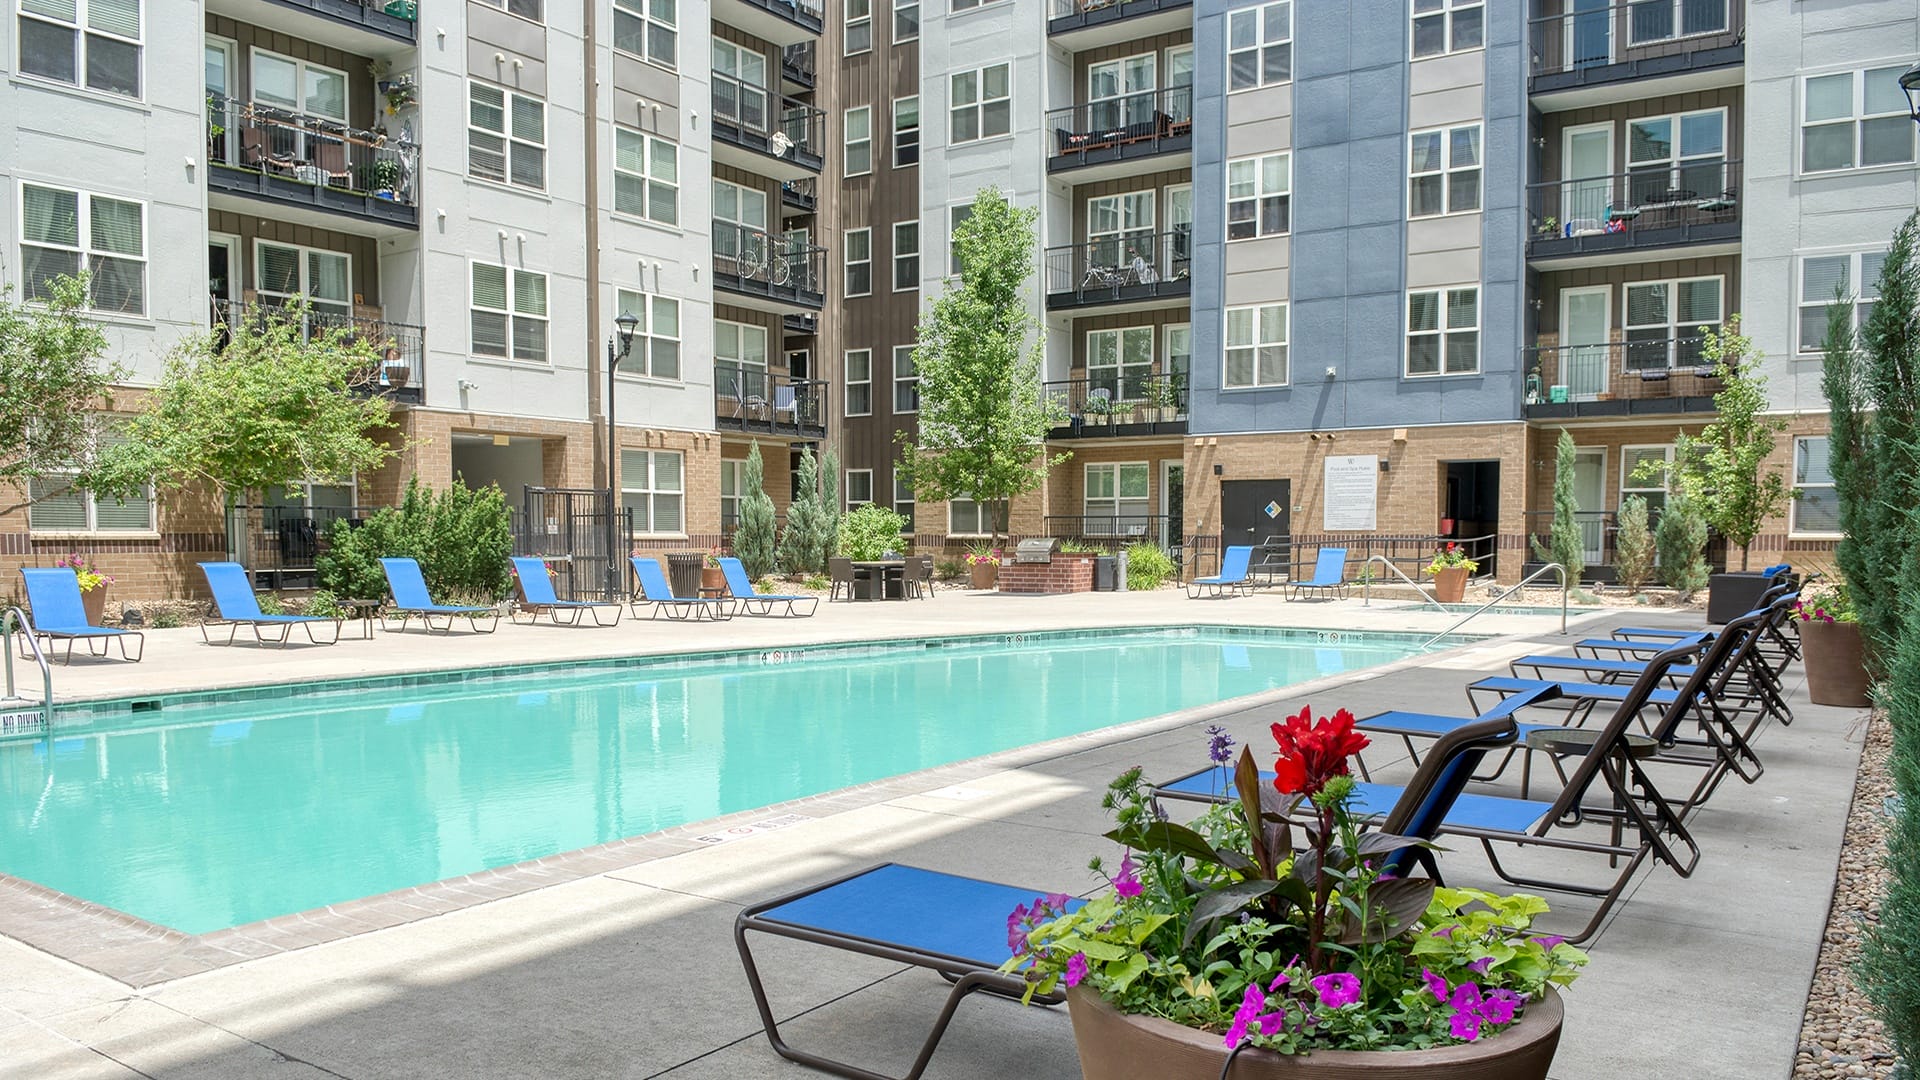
[(1257, 512)]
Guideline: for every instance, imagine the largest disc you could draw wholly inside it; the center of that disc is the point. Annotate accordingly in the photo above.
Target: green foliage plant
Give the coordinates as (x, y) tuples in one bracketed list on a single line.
[(1724, 469), (324, 605), (270, 603), (870, 532), (753, 541), (1680, 539), (949, 569), (54, 388), (1148, 567), (983, 417), (803, 545), (829, 506), (1565, 545), (461, 537), (1078, 547), (1633, 553)]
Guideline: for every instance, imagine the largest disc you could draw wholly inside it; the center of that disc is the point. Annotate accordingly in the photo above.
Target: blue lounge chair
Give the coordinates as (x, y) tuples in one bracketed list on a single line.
[(1232, 577), (235, 604), (657, 593), (537, 587), (53, 594), (410, 598), (749, 602), (1329, 574)]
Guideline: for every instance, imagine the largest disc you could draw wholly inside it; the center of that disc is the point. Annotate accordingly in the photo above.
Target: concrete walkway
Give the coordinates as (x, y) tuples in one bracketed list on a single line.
[(631, 972)]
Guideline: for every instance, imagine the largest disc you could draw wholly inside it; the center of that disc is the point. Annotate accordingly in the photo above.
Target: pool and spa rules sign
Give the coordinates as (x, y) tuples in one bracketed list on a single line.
[(1351, 502)]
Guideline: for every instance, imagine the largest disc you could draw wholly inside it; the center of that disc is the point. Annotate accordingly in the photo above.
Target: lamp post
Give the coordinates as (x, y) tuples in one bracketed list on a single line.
[(1910, 85), (624, 325)]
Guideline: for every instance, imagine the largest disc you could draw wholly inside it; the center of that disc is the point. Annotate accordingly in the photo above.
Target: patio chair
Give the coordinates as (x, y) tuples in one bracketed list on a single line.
[(749, 602), (1329, 574), (919, 577), (536, 585), (58, 614), (410, 598), (236, 605), (842, 574), (1232, 577), (786, 400), (657, 593)]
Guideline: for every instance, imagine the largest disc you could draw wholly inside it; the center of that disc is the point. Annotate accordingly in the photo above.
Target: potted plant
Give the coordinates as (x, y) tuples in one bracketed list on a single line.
[(1450, 567), (93, 586), (216, 131), (1221, 950), (713, 580), (983, 565), (1832, 647), (394, 367), (384, 176)]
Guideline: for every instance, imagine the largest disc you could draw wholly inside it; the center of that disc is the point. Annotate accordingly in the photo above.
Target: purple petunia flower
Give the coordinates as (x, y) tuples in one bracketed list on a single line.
[(1278, 982), (1498, 1006), (1056, 904), (1219, 745), (1465, 1025), (1337, 989), (1016, 932), (1549, 942), (1127, 883), (1466, 1012), (1076, 968), (1436, 984), (1249, 1010), (1480, 966)]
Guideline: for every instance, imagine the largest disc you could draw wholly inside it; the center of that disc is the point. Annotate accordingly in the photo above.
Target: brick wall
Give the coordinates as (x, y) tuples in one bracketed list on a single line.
[(1065, 574)]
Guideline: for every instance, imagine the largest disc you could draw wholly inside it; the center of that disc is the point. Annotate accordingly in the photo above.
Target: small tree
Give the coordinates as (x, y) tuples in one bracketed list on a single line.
[(753, 539), (1722, 469), (462, 537), (1633, 545), (1565, 544), (983, 418), (805, 537), (830, 505), (1681, 540), (52, 388)]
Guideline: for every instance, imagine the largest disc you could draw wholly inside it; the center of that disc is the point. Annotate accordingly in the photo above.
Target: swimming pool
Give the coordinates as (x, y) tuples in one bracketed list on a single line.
[(208, 811)]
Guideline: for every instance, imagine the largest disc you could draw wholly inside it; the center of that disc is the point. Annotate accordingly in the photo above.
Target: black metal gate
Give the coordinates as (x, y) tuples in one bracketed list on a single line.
[(568, 528)]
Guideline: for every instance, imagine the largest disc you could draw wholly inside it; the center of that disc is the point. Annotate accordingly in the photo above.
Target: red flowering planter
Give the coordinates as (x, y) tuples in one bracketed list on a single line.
[(1835, 654), (1450, 584)]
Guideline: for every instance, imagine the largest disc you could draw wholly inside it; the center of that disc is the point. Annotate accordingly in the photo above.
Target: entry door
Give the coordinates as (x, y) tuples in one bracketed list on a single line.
[(223, 272), (1590, 491), (1586, 170), (1173, 493), (1256, 512), (1584, 328)]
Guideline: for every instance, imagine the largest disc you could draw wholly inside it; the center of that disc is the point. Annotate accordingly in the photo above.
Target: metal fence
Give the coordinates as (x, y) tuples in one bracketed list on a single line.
[(770, 122), (1125, 266), (780, 267), (1127, 124), (568, 528), (274, 142), (1652, 198), (401, 367), (282, 544)]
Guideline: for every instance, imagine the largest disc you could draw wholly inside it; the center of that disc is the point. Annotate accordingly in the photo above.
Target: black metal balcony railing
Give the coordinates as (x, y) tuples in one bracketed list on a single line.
[(1134, 125), (801, 194), (1643, 375), (1656, 205), (1121, 401), (806, 14), (1064, 15), (286, 154), (1661, 35), (1120, 268), (1127, 527), (401, 347), (797, 325), (281, 545), (1598, 531), (769, 123), (750, 261), (798, 64), (756, 400)]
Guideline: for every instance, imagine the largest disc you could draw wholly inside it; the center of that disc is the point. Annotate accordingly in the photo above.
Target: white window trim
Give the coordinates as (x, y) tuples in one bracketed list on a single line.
[(643, 10), (953, 249), (910, 502), (895, 253), (846, 38), (513, 273), (300, 67), (1086, 490), (848, 142), (91, 503), (918, 128), (1119, 366), (81, 29), (897, 380), (979, 512), (1630, 486), (851, 382), (1286, 342), (647, 179), (1259, 172), (849, 262), (1445, 12), (918, 11), (1441, 332), (502, 5), (1260, 42), (953, 9), (653, 514), (979, 105), (1862, 293), (644, 337), (737, 468), (1673, 323), (1793, 505), (1629, 42), (86, 249), (506, 116), (256, 278), (847, 500), (1446, 171), (1859, 72)]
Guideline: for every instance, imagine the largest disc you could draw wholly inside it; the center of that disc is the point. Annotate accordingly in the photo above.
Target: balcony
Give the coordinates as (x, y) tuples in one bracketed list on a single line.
[(798, 65), (312, 165), (1648, 377), (342, 24), (1603, 53), (782, 22), (402, 347), (766, 133), (1120, 403), (1598, 219), (1111, 530), (771, 273), (802, 195), (800, 325), (1140, 270), (759, 402), (1090, 24), (1097, 139)]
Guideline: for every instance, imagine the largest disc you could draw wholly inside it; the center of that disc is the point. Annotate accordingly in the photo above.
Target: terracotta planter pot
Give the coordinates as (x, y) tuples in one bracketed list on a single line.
[(713, 581), (1836, 659), (983, 575), (94, 603), (1115, 1046), (1450, 584)]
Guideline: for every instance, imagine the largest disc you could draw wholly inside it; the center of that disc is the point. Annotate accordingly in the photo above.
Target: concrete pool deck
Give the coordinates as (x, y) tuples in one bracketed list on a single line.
[(629, 970)]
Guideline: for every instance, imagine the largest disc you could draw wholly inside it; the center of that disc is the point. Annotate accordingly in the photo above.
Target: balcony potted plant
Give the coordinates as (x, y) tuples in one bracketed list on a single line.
[(1450, 568), (1222, 950), (983, 565), (384, 178), (93, 586), (713, 580), (394, 367), (1832, 647)]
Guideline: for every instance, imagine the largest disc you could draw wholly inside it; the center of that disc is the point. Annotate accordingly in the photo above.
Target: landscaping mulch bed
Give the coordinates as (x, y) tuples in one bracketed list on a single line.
[(1839, 1036)]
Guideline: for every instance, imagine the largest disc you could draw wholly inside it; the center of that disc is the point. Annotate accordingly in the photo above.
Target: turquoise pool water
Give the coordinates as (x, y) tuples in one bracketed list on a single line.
[(210, 812)]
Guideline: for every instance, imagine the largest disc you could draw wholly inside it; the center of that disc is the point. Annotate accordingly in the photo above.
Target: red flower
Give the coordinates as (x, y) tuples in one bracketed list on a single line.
[(1313, 753), (1449, 545)]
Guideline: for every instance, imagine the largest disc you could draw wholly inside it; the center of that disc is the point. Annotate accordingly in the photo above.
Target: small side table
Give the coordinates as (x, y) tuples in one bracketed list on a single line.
[(1581, 741), (365, 611)]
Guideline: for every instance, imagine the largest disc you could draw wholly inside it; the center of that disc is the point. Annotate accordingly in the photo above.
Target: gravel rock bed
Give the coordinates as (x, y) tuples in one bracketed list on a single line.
[(1839, 1036)]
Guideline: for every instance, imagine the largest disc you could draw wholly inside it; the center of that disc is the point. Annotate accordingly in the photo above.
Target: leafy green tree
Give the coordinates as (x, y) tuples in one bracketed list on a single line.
[(462, 537), (830, 505), (983, 416), (1681, 541), (1565, 544), (870, 531), (1723, 467), (805, 539), (54, 389), (753, 540), (1633, 545)]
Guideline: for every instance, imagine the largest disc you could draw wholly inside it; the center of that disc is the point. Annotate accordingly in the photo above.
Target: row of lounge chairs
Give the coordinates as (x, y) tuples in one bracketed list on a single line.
[(1236, 576)]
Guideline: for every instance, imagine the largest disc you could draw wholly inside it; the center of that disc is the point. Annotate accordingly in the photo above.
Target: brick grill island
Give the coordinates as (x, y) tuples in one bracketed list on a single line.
[(1064, 574)]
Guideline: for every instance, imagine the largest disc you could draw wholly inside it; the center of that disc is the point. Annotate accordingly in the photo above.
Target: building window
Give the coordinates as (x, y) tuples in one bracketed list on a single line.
[(1855, 120), (733, 490), (1255, 350), (1661, 20), (1116, 499), (1443, 331), (509, 322), (906, 20), (957, 6), (506, 137), (1444, 26), (859, 256), (906, 131), (1259, 196), (646, 176), (859, 26), (324, 278), (1667, 322), (906, 380), (1119, 362), (299, 87), (859, 160), (968, 518), (981, 104), (1260, 46), (1816, 506), (859, 487), (649, 29), (1686, 151), (903, 501), (656, 340), (1643, 472), (1179, 359), (859, 368), (1444, 171), (1852, 279), (653, 487), (55, 505), (526, 9), (906, 255), (73, 232), (740, 362), (955, 216), (90, 43)]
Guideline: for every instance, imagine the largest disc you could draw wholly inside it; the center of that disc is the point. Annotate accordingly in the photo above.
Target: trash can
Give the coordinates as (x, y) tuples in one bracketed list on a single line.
[(1103, 575), (683, 572), (1120, 570)]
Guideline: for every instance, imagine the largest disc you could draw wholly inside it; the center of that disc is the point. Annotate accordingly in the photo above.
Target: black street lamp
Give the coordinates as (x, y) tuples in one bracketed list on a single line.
[(625, 325), (1910, 84)]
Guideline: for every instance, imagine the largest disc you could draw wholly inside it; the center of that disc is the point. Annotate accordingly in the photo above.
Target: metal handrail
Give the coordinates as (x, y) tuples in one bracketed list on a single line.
[(1366, 583), (7, 622), (1557, 569)]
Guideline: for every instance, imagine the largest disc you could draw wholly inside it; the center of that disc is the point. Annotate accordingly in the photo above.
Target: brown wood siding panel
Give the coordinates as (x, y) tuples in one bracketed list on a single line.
[(360, 107), (1726, 267), (363, 251), (1730, 98), (1157, 45)]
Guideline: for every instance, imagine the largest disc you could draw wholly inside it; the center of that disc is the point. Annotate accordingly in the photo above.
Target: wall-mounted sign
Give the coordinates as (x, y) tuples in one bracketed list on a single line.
[(1351, 496)]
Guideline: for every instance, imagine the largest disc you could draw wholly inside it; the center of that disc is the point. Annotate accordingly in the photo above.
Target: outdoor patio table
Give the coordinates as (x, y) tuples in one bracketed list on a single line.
[(883, 579), (364, 610)]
